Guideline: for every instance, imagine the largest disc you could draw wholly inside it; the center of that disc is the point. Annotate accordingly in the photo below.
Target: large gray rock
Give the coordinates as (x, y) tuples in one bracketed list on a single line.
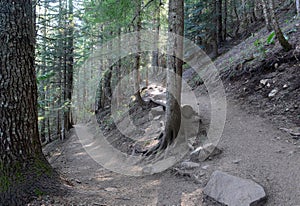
[(234, 191)]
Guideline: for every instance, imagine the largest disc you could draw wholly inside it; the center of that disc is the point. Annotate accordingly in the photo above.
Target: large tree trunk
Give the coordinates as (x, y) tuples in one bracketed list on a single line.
[(174, 72), (22, 164), (283, 42)]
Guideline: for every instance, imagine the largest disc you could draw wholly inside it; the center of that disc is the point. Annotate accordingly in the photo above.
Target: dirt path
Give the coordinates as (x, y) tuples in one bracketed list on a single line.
[(252, 148)]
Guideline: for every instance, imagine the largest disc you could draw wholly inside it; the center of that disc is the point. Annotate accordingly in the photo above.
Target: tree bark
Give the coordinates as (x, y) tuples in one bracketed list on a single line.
[(214, 31), (137, 58), (22, 164), (174, 72), (155, 60), (220, 21), (225, 20), (68, 122), (238, 21), (283, 42)]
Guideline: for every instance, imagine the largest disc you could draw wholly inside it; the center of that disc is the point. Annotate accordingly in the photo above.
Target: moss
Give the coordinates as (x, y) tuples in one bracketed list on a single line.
[(4, 182), (42, 167), (38, 192)]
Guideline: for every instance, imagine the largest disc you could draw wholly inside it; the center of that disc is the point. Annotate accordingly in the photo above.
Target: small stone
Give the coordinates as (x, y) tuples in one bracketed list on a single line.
[(204, 152), (78, 181), (205, 167), (189, 165), (264, 81), (276, 65), (111, 189), (273, 93), (236, 161), (285, 86), (157, 118)]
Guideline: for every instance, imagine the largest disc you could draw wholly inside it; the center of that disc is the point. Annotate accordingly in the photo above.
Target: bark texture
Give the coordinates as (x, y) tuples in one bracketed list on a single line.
[(22, 163), (174, 71)]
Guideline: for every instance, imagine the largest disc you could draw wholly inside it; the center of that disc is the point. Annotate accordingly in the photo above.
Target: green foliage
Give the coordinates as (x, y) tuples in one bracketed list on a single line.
[(38, 192), (4, 182), (45, 76), (260, 47), (271, 38)]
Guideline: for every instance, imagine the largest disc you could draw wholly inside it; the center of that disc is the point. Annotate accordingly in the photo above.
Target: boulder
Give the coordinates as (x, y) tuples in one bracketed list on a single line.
[(234, 191)]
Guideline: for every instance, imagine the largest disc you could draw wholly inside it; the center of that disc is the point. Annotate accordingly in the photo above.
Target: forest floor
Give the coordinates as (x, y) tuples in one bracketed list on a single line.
[(253, 148), (256, 141)]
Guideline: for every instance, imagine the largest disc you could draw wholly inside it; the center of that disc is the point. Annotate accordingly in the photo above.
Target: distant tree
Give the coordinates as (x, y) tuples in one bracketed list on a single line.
[(220, 21), (298, 7), (22, 163), (266, 15)]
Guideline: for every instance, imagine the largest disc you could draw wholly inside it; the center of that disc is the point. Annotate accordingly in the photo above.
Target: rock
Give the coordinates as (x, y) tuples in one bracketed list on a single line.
[(111, 189), (234, 191), (189, 165), (157, 118), (205, 151), (156, 111), (294, 131), (236, 161), (273, 93), (187, 111), (285, 86), (264, 81), (205, 167), (78, 181)]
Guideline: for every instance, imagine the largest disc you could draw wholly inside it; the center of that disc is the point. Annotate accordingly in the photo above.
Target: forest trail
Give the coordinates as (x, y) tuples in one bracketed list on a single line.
[(252, 148)]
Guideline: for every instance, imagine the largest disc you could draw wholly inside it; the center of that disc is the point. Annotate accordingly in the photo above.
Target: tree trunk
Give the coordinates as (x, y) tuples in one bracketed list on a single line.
[(220, 21), (68, 123), (298, 7), (155, 59), (283, 42), (137, 58), (245, 16), (266, 15), (238, 21), (214, 31), (174, 72), (22, 164), (225, 20)]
